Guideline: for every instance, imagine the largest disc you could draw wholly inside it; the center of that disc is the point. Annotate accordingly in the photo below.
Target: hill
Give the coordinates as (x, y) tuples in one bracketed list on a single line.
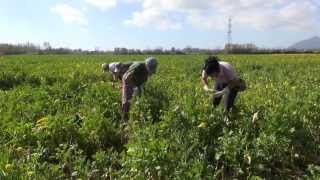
[(308, 44)]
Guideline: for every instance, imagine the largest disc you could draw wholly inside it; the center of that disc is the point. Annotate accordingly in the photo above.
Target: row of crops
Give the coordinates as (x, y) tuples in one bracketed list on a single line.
[(60, 118)]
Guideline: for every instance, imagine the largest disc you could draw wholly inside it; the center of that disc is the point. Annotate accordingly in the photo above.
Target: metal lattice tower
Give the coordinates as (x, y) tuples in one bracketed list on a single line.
[(229, 31)]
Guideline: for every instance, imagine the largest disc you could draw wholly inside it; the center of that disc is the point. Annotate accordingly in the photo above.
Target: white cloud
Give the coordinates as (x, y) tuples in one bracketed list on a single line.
[(301, 16), (291, 16), (159, 14), (177, 5), (70, 15), (298, 15), (207, 22), (153, 18), (102, 4)]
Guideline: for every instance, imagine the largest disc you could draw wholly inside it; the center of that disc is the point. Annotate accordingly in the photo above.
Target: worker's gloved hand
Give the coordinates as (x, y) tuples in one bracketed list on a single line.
[(218, 94), (206, 88), (221, 93), (226, 90), (139, 90)]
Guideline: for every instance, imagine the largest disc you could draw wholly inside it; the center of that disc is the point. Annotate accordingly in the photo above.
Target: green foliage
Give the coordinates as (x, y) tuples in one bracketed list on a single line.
[(60, 118)]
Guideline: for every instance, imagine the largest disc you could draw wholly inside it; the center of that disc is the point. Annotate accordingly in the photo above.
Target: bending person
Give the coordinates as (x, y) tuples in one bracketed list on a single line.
[(227, 81), (117, 69), (137, 74)]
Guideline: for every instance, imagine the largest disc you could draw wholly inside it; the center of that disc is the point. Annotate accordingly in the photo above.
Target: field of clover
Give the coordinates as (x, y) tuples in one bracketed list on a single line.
[(60, 118)]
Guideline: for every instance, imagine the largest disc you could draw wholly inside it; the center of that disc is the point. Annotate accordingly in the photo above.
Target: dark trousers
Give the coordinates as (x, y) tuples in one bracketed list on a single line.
[(229, 100)]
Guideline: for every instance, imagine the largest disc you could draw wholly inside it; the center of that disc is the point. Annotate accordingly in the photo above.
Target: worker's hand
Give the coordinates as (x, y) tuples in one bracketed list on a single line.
[(225, 91), (206, 88), (218, 94), (140, 90)]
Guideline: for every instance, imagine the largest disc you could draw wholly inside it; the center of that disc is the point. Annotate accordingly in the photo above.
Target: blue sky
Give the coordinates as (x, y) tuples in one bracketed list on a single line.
[(144, 24)]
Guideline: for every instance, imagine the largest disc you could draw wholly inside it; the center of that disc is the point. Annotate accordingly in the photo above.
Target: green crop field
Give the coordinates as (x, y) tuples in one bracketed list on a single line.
[(60, 118)]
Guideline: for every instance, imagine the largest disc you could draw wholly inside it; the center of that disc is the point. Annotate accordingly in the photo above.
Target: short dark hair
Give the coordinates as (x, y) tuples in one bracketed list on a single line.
[(211, 65)]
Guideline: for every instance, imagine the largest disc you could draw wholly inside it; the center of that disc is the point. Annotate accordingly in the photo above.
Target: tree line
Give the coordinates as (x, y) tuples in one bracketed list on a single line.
[(250, 48), (30, 48)]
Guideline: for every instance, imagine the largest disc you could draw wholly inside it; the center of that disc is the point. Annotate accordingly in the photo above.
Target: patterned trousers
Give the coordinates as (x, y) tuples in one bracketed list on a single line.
[(127, 94)]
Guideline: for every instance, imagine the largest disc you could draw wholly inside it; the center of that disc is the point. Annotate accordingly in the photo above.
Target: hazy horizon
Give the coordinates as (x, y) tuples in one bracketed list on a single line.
[(144, 24)]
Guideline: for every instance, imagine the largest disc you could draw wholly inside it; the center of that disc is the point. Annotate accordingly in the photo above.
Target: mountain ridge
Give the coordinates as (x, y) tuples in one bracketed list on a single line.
[(307, 44)]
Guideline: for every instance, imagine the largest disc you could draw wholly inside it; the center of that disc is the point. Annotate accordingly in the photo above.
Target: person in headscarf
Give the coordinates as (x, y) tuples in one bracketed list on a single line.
[(135, 77), (117, 69)]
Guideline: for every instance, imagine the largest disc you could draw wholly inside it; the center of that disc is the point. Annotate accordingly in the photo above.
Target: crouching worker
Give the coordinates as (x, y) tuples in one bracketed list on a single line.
[(135, 77), (117, 69), (227, 81)]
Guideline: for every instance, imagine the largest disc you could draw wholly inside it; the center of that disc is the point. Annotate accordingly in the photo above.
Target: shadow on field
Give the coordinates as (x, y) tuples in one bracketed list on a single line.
[(159, 102), (151, 105), (9, 81)]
